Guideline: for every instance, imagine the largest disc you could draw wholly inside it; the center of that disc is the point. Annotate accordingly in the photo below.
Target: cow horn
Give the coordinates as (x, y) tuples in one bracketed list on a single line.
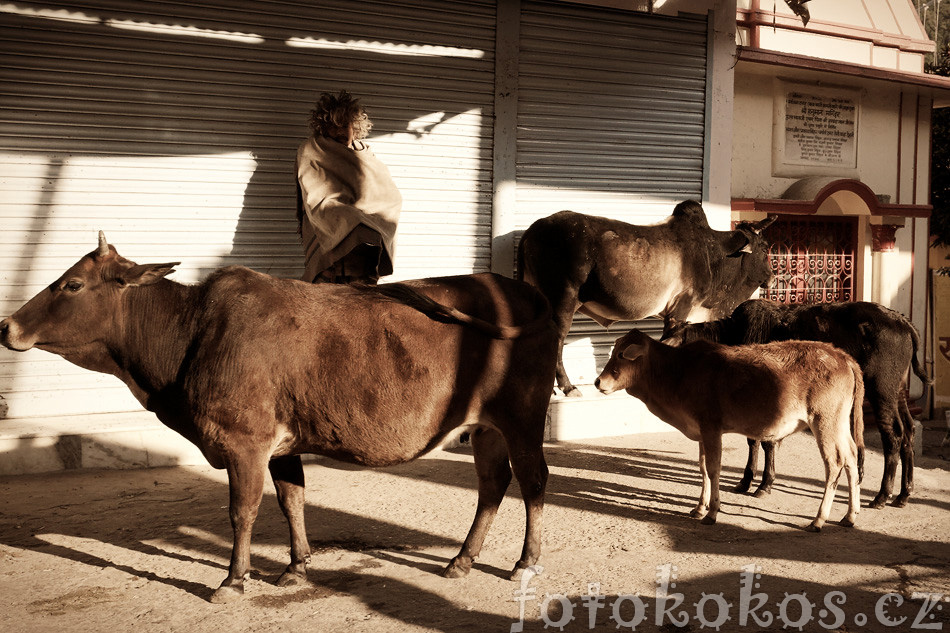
[(103, 249), (765, 223)]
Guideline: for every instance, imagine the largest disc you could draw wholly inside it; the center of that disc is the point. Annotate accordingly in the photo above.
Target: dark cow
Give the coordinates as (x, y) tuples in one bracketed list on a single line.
[(765, 392), (679, 269), (255, 370), (883, 341)]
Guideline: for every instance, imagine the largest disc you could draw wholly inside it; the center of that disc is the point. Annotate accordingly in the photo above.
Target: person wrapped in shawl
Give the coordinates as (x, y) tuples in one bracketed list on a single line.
[(347, 202)]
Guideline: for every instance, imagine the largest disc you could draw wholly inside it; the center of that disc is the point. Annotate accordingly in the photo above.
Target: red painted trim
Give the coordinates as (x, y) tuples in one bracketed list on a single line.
[(930, 149), (913, 261), (810, 207), (913, 179), (753, 31), (900, 137), (788, 60)]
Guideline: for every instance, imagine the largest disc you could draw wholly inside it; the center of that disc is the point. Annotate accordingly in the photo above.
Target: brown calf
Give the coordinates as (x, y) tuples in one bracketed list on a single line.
[(764, 392)]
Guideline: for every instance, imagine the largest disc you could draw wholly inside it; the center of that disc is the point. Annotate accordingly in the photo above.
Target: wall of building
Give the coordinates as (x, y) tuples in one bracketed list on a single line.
[(892, 159), (174, 128), (889, 132)]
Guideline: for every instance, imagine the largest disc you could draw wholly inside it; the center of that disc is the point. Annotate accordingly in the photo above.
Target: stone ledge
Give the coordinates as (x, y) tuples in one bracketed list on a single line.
[(597, 415), (138, 440), (115, 441)]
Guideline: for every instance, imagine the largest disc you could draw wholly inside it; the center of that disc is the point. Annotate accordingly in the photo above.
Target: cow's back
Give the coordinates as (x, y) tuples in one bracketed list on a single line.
[(770, 386), (616, 269), (359, 376), (867, 331)]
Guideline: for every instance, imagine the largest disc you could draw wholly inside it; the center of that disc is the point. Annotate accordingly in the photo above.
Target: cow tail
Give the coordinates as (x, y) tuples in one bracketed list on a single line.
[(435, 310), (914, 363), (857, 416), (542, 321)]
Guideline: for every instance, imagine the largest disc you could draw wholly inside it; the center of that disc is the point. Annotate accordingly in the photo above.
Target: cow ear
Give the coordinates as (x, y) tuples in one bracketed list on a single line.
[(736, 242), (145, 274), (633, 351)]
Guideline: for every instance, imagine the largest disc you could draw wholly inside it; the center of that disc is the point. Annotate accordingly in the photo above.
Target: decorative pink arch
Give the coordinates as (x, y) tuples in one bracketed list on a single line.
[(805, 197)]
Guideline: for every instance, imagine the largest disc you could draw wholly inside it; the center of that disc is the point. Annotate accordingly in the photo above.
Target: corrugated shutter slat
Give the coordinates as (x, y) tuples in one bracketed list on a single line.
[(173, 127), (611, 121)]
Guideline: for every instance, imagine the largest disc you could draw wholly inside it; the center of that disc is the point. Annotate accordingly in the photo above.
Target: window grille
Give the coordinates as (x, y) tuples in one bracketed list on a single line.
[(812, 259)]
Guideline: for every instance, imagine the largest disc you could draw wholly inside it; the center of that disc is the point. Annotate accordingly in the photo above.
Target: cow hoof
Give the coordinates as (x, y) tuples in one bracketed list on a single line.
[(697, 512), (878, 502), (761, 492), (813, 528), (456, 569), (846, 522), (742, 487), (520, 569), (292, 579), (900, 502), (708, 520), (573, 392), (225, 594)]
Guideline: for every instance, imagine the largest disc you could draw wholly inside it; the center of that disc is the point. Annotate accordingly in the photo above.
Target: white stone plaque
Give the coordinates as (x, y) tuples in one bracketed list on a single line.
[(816, 127)]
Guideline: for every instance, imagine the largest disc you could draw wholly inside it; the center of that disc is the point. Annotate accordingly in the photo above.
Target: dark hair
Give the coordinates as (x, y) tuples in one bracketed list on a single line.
[(335, 115)]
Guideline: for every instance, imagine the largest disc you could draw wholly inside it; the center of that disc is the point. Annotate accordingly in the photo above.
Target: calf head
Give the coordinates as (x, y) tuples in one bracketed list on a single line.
[(81, 306), (626, 364)]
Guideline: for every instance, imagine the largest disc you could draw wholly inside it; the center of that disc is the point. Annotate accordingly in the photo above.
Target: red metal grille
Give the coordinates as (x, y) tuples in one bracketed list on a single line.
[(812, 259)]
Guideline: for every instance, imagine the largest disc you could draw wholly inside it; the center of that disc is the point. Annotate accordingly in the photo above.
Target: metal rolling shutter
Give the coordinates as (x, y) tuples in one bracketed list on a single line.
[(173, 127), (611, 121)]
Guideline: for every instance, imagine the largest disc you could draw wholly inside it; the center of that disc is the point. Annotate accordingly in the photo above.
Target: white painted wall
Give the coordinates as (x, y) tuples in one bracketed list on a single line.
[(879, 126)]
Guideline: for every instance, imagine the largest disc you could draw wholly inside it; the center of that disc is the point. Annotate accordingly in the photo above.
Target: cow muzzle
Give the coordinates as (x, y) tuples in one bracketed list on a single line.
[(606, 384), (11, 336)]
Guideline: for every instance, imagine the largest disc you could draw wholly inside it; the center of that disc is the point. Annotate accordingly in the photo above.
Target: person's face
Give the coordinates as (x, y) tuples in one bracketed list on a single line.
[(342, 135)]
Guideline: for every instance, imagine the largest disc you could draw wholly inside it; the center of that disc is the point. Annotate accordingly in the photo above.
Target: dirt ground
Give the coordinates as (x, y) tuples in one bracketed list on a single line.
[(143, 550)]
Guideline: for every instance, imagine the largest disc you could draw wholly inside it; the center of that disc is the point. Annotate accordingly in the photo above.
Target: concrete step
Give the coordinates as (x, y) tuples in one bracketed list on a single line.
[(596, 415), (138, 440), (111, 440)]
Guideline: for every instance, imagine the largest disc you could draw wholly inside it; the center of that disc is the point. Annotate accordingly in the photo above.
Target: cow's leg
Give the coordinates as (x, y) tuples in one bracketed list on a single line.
[(751, 464), (494, 475), (768, 472), (703, 505), (246, 484), (854, 485), (833, 445), (287, 473), (563, 306), (712, 447), (907, 455), (563, 382), (885, 413), (531, 470)]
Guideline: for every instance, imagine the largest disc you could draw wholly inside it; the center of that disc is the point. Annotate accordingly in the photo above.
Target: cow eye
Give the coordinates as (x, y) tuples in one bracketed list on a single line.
[(73, 285)]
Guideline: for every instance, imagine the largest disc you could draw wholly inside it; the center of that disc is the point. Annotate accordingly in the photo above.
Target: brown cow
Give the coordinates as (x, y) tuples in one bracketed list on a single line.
[(679, 269), (765, 392), (255, 370)]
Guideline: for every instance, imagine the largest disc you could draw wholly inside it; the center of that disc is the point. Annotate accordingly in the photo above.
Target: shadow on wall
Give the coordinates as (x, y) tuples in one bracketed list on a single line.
[(177, 134), (139, 88)]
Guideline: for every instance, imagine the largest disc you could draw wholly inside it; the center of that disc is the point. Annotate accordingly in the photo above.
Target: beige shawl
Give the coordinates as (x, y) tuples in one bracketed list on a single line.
[(339, 189)]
